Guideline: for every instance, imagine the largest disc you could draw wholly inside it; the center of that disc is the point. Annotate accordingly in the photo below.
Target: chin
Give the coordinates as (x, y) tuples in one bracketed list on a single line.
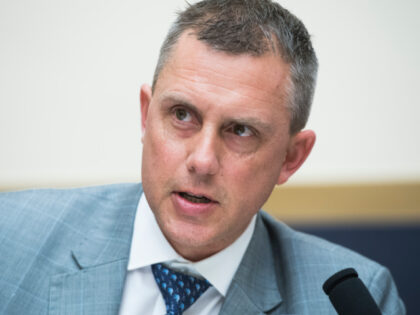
[(187, 238)]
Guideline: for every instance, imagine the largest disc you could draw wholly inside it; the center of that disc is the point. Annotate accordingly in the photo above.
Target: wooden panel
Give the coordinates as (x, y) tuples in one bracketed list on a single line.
[(389, 203)]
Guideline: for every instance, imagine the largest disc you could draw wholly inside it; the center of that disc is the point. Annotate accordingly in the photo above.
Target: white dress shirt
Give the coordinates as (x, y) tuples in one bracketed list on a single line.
[(141, 294)]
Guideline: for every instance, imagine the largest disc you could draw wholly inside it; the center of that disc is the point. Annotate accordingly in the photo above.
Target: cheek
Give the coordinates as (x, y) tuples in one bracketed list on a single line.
[(161, 152), (160, 164), (251, 180), (261, 167)]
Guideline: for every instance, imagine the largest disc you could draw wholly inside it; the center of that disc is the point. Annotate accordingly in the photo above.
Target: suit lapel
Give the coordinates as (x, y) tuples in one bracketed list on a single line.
[(254, 288), (96, 288)]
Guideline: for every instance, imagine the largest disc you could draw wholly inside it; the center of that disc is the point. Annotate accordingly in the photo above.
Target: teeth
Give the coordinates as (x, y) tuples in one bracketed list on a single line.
[(195, 199)]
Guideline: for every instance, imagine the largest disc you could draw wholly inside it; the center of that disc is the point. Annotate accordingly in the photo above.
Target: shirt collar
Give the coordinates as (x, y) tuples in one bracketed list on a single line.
[(219, 268)]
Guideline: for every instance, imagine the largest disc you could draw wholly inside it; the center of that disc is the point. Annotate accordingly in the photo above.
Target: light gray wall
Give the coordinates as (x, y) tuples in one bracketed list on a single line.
[(70, 73)]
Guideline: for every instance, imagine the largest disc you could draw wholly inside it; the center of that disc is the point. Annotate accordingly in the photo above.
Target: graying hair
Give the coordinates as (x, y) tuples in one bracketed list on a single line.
[(253, 27)]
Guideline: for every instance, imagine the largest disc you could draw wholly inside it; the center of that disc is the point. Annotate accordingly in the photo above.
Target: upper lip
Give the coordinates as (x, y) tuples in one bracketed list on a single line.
[(197, 194)]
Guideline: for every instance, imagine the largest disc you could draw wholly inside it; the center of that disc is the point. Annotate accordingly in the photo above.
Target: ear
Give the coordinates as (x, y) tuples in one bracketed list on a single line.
[(299, 148), (145, 99)]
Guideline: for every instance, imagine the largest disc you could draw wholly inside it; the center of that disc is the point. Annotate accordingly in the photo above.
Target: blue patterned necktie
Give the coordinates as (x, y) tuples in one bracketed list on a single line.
[(179, 290)]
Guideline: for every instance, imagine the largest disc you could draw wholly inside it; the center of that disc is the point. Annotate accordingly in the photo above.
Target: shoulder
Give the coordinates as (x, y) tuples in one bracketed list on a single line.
[(302, 246), (308, 261), (51, 200), (27, 197), (29, 217), (40, 229)]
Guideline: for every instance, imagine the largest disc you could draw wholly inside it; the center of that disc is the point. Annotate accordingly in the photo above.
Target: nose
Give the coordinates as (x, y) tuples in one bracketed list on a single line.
[(203, 157)]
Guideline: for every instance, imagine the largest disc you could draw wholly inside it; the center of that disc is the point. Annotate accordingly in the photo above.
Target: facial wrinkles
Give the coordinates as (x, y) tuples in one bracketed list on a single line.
[(213, 120), (229, 104), (222, 82), (211, 85), (237, 74)]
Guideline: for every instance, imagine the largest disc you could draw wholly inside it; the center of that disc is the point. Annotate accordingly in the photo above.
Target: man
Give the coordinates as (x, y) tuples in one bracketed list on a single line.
[(222, 125)]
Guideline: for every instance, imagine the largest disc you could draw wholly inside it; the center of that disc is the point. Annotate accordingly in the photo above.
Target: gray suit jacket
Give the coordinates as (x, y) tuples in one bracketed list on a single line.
[(66, 252)]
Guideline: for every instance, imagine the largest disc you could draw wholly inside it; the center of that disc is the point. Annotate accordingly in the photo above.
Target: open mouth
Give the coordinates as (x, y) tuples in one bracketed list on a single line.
[(194, 198)]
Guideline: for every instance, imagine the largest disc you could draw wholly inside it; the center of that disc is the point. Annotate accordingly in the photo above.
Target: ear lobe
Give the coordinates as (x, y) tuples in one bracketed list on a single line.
[(145, 99), (300, 146)]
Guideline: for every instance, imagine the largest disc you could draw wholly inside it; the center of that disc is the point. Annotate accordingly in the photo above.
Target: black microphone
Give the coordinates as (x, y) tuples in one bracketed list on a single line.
[(349, 295)]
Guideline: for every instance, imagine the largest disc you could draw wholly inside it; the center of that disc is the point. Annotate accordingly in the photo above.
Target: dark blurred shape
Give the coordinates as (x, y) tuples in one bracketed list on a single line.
[(349, 295)]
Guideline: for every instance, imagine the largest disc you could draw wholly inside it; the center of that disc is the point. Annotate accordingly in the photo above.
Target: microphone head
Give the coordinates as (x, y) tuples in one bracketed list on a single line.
[(349, 295)]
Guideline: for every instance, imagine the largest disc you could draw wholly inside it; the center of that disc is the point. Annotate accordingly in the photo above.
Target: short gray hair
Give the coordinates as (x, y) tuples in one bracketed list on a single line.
[(253, 27)]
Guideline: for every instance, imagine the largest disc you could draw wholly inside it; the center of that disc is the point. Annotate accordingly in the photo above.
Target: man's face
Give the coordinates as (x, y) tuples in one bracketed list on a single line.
[(215, 139)]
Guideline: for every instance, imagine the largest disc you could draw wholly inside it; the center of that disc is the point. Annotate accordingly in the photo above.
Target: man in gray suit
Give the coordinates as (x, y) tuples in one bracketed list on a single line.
[(222, 125)]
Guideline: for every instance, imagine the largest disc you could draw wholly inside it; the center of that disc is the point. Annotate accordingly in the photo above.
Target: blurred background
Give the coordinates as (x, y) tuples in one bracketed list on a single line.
[(70, 73)]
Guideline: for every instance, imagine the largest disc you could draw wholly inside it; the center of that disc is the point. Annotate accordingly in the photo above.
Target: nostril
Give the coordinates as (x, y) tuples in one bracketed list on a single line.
[(206, 166)]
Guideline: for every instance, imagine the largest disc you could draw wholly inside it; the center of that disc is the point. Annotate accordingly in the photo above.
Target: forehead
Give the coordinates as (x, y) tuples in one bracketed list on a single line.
[(198, 71)]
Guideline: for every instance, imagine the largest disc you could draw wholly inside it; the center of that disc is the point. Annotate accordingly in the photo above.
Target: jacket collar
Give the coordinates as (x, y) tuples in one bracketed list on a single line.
[(254, 288), (110, 238), (96, 288)]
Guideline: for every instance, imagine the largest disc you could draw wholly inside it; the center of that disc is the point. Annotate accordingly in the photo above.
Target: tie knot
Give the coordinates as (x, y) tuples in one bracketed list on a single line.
[(179, 290)]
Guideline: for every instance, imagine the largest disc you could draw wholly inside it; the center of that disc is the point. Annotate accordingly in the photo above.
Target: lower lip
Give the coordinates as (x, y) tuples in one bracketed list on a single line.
[(186, 207)]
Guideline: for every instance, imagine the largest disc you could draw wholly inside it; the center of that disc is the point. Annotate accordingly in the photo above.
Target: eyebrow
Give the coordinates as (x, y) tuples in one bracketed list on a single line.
[(179, 100), (253, 122), (247, 121)]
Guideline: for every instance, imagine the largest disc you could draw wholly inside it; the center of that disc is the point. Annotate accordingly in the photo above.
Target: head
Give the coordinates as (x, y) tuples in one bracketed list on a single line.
[(222, 122), (253, 27)]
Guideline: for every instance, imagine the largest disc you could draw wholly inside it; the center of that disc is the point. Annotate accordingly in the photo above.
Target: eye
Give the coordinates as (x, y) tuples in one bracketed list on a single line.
[(242, 131), (242, 138), (182, 114)]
